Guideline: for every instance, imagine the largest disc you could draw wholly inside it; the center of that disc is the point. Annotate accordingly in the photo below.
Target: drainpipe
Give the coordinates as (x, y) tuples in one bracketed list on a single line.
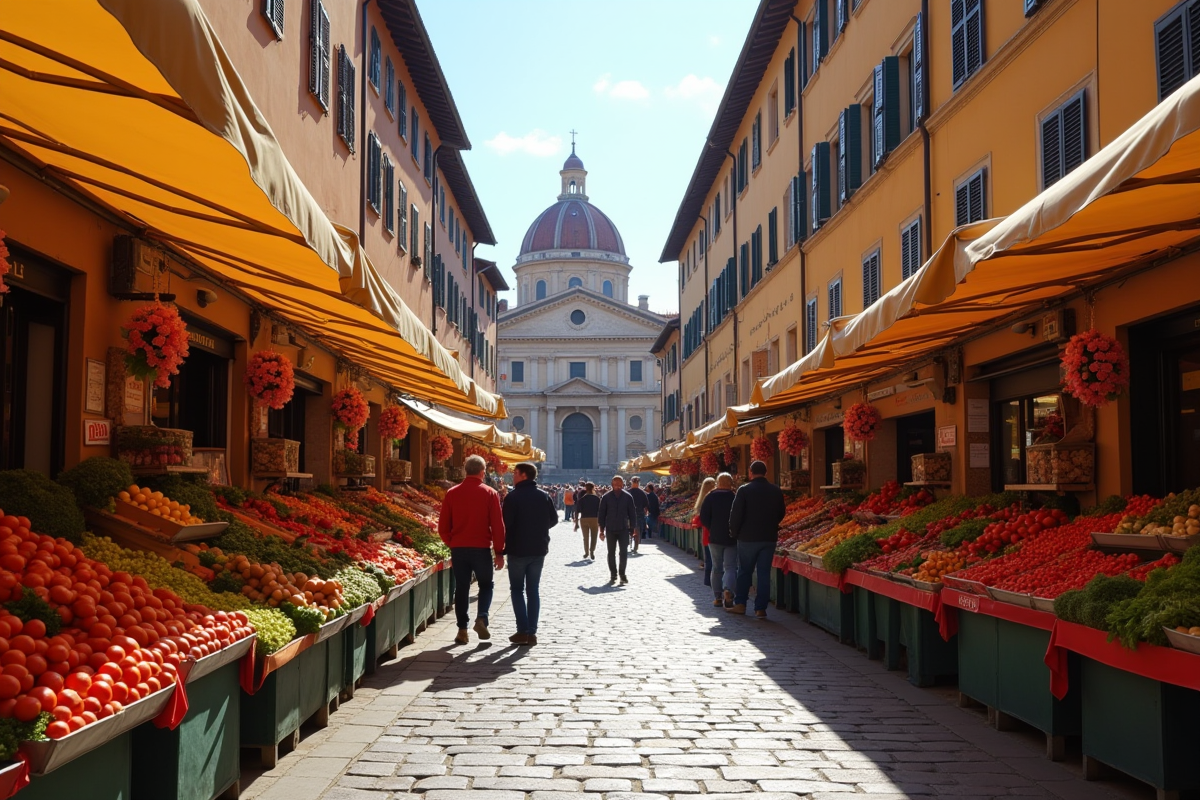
[(803, 337), (362, 166), (927, 233), (433, 206)]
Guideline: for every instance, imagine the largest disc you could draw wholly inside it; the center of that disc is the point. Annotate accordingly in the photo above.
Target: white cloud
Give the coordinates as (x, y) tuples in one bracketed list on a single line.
[(535, 143), (704, 92), (621, 90)]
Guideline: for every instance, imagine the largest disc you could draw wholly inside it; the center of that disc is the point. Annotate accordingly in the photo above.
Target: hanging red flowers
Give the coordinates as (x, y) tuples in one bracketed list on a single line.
[(729, 457), (710, 464), (4, 265), (393, 423), (350, 413), (761, 448), (441, 448), (156, 343), (792, 440), (685, 468), (1096, 368), (861, 422), (270, 379)]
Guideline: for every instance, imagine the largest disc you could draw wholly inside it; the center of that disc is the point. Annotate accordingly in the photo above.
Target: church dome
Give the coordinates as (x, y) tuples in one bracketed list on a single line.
[(573, 224), (573, 161)]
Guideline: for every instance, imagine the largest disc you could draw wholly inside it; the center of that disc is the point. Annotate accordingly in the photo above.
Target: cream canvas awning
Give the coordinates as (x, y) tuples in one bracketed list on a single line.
[(508, 445), (137, 106)]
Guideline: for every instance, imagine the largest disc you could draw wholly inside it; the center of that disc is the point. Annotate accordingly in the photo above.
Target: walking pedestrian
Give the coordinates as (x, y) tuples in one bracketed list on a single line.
[(587, 515), (617, 519), (714, 513), (529, 514), (568, 502), (758, 508), (653, 507), (706, 486), (472, 526), (640, 503)]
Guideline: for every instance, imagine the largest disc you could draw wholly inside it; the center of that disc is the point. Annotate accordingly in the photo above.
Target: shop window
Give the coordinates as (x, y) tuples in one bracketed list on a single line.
[(1020, 423), (835, 448), (197, 399), (289, 422)]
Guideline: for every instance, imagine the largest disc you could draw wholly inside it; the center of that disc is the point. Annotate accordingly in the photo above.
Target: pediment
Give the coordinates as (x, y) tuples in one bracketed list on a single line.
[(604, 318), (576, 386)]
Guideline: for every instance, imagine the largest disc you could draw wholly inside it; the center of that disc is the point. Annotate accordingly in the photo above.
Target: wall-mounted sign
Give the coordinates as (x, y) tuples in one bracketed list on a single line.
[(827, 418), (977, 416), (947, 436), (97, 431), (981, 457), (878, 393), (135, 395), (94, 399)]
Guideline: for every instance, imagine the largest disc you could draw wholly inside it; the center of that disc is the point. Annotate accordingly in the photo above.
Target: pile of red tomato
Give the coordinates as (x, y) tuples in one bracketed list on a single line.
[(119, 642), (1012, 527)]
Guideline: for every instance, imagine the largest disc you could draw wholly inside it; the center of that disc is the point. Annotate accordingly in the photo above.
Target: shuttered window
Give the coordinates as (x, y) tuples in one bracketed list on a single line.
[(414, 250), (743, 167), (756, 256), (872, 280), (918, 70), (849, 152), (402, 110), (744, 269), (318, 59), (841, 17), (347, 88), (427, 244), (966, 39), (389, 86), (413, 142), (1032, 6), (810, 325), (910, 249), (374, 192), (820, 184), (1064, 140), (756, 137), (428, 166), (731, 284), (374, 59), (969, 203), (389, 195), (835, 299), (1177, 47), (819, 42), (789, 82), (716, 215), (273, 11), (402, 219), (886, 109), (772, 237)]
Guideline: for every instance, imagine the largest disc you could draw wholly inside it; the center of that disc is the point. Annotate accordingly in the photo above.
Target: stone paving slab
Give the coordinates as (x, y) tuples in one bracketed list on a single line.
[(646, 691)]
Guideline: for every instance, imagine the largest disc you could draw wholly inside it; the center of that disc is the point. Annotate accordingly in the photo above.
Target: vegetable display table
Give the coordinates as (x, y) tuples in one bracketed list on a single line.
[(831, 609), (104, 772), (424, 593), (445, 588)]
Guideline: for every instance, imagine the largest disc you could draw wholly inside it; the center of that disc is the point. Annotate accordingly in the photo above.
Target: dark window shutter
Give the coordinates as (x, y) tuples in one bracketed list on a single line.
[(273, 11), (843, 14), (414, 142), (389, 195), (402, 219), (428, 159), (820, 184), (871, 279), (1064, 140), (966, 39), (818, 34), (389, 85), (910, 249), (843, 195), (1031, 6), (756, 256), (744, 269), (849, 152), (798, 222), (969, 199), (730, 284), (789, 82), (318, 55), (1177, 47), (402, 109), (918, 59), (835, 299), (974, 24), (373, 171), (887, 108), (802, 65), (373, 65), (810, 325), (756, 135), (773, 237), (879, 107)]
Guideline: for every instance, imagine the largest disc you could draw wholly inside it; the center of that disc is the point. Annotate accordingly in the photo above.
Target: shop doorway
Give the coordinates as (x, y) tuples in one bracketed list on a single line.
[(1165, 404), (289, 421), (197, 399), (577, 442), (915, 434), (835, 448), (32, 360)]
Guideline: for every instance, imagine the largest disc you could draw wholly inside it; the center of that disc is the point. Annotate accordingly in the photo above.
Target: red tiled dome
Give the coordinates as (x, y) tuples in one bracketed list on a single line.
[(572, 225)]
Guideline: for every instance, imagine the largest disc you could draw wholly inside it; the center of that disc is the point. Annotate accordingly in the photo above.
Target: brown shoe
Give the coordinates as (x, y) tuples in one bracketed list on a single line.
[(482, 630), (519, 638), (740, 608), (717, 603), (530, 640), (728, 599), (761, 614), (462, 637)]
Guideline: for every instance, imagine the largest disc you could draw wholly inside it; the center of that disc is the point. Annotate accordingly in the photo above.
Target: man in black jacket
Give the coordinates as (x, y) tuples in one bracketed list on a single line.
[(653, 508), (529, 514), (758, 508), (618, 518), (640, 504)]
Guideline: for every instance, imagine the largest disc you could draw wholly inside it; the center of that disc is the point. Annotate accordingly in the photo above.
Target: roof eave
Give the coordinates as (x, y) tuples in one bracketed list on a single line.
[(661, 342), (454, 169)]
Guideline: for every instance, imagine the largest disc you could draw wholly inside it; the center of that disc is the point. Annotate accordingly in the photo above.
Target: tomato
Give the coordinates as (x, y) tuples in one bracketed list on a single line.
[(57, 652), (36, 628), (93, 705), (27, 709), (36, 665), (45, 696), (10, 686), (58, 729), (61, 713), (76, 723), (71, 699), (79, 681), (13, 657), (120, 691)]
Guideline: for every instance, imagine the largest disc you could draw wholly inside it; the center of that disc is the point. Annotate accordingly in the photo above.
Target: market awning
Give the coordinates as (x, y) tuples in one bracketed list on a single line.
[(510, 446), (137, 106), (1129, 206)]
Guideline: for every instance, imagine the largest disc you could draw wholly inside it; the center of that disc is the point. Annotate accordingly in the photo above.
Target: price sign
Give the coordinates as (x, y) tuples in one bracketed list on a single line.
[(968, 602), (97, 431)]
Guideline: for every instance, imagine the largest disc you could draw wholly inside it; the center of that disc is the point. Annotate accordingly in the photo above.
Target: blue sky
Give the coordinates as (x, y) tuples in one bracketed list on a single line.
[(639, 79)]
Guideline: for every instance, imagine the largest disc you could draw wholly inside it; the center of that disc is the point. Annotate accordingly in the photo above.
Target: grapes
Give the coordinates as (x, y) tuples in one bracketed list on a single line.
[(272, 627)]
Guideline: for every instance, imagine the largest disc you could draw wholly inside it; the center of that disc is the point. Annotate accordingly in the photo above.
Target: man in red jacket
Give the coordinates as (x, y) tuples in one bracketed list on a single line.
[(472, 526)]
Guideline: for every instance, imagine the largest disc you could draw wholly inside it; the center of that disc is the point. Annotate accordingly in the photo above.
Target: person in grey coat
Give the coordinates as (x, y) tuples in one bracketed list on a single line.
[(618, 519)]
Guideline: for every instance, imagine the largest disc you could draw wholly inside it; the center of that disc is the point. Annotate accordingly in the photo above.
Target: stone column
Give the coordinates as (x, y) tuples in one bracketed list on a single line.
[(621, 434), (551, 443), (651, 431), (531, 380), (603, 436), (531, 427), (622, 373), (551, 374)]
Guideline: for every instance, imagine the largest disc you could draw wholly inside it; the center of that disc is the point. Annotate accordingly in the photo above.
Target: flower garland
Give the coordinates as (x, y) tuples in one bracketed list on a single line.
[(761, 448), (270, 379), (729, 457), (861, 422), (350, 413), (1096, 368), (393, 423), (685, 467), (710, 464), (441, 448), (4, 265), (792, 440), (156, 343)]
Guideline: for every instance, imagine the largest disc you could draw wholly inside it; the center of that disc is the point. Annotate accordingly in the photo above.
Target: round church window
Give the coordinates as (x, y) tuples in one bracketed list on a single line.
[(518, 423), (578, 317), (635, 423)]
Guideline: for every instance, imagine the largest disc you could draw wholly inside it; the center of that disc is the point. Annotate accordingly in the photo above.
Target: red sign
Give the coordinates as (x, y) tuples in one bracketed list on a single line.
[(97, 431)]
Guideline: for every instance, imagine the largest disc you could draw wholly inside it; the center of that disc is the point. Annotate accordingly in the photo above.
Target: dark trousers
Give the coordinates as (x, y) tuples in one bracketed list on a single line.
[(468, 561), (708, 566), (614, 539), (524, 582), (754, 560)]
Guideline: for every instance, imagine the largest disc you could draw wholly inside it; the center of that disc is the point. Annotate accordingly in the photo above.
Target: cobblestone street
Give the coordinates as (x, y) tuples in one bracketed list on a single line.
[(648, 690)]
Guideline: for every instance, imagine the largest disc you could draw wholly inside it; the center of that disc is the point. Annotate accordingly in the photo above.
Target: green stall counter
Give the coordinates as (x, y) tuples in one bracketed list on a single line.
[(424, 600), (978, 658), (1023, 686), (355, 666), (831, 609), (930, 657), (105, 772)]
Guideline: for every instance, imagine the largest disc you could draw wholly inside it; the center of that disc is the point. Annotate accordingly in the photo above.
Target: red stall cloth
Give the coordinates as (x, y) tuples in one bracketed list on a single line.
[(910, 595), (1165, 664), (21, 779), (246, 670), (177, 706), (368, 615)]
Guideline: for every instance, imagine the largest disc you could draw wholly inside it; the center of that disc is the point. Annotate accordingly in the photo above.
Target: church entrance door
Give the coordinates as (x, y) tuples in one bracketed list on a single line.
[(577, 442)]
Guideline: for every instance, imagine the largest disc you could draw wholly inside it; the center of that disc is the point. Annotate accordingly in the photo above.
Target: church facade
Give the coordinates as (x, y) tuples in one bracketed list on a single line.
[(576, 369)]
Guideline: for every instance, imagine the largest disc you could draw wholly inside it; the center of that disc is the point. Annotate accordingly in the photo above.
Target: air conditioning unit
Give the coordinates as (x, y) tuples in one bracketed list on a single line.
[(138, 268)]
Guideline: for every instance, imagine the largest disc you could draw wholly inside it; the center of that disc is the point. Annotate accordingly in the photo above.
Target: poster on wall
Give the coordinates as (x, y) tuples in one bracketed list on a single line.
[(97, 432), (977, 416), (94, 400), (947, 436), (980, 456)]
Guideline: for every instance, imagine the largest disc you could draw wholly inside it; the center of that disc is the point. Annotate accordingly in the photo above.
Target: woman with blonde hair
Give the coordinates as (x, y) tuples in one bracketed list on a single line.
[(707, 486), (714, 516)]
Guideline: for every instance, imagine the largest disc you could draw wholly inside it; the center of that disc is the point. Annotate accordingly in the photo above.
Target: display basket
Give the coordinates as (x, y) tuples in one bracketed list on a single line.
[(926, 586), (433, 474), (817, 561), (172, 531), (1177, 544), (151, 446), (796, 479), (349, 464), (962, 585), (1042, 603), (1012, 598), (1128, 541), (1060, 464), (398, 469), (274, 456), (850, 472), (1183, 641), (931, 468)]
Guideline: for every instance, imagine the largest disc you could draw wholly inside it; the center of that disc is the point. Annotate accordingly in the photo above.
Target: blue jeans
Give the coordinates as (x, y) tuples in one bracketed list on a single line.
[(524, 578), (651, 526), (708, 566), (754, 557), (724, 562), (464, 561)]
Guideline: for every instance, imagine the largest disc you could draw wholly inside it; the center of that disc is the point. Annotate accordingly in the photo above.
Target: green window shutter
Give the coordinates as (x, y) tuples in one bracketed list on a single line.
[(744, 269), (789, 82), (820, 184), (756, 135), (849, 152), (402, 109), (318, 54), (810, 325), (887, 108), (389, 85), (918, 60), (402, 219), (843, 15), (756, 256), (772, 237), (819, 42), (799, 224)]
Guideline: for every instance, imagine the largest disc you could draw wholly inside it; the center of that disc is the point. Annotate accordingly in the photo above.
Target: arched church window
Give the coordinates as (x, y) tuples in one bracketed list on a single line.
[(575, 282), (573, 189), (540, 291), (607, 288), (635, 423)]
